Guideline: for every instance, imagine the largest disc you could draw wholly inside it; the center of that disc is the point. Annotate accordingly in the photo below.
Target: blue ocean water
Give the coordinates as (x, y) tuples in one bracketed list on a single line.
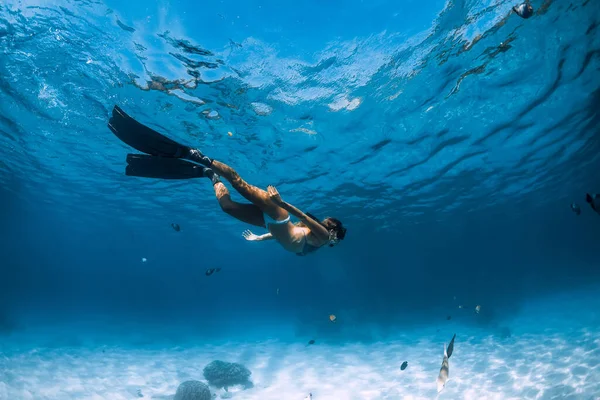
[(449, 137)]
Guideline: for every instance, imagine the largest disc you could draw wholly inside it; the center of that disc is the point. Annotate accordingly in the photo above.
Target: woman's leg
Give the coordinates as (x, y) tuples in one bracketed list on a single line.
[(248, 213), (257, 196)]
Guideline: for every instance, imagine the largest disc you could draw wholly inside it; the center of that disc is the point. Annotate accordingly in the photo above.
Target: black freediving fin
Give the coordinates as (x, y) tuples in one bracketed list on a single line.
[(142, 138), (148, 166)]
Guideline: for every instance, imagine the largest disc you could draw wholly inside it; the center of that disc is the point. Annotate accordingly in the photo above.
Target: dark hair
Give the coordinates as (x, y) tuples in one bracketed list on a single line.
[(338, 227), (328, 223), (312, 216)]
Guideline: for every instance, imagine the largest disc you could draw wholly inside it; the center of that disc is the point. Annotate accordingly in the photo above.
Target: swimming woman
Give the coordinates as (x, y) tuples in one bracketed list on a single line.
[(167, 159)]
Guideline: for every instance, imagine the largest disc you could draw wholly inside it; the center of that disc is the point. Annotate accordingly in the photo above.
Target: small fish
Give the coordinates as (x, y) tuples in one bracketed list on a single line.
[(523, 10), (311, 341), (277, 291), (176, 227), (230, 134), (460, 306), (575, 208), (449, 317), (332, 318), (309, 397), (139, 393), (144, 259), (125, 27), (477, 309), (404, 365), (218, 269), (210, 271), (234, 44), (594, 201), (445, 368), (444, 372)]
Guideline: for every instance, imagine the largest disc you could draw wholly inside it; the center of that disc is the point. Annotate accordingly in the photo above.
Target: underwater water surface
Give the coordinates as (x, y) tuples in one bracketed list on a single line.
[(451, 138)]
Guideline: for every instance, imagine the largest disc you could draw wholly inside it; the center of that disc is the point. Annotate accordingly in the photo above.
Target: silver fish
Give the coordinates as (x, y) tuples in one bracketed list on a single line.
[(523, 10), (576, 209), (445, 369), (444, 372)]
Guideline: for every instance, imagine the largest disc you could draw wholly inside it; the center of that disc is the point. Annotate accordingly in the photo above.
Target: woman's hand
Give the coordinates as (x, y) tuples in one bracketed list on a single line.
[(274, 195), (250, 236)]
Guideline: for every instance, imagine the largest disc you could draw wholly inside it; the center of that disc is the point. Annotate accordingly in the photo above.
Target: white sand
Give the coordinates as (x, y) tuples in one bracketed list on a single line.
[(523, 367), (550, 355)]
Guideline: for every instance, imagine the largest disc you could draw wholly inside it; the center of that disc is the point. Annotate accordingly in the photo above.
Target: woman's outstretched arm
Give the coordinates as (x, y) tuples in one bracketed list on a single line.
[(256, 238)]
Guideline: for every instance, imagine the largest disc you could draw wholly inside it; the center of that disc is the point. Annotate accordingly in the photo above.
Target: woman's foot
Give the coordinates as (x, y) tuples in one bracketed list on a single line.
[(197, 156), (210, 174)]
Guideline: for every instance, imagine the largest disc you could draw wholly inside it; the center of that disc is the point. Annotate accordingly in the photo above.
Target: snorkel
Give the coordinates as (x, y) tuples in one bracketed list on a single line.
[(336, 233)]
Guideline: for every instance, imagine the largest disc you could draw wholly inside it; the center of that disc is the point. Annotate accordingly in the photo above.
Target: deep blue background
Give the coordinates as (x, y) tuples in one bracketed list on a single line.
[(93, 272)]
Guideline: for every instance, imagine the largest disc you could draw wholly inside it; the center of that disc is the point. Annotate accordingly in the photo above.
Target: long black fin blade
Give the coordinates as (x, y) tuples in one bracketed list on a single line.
[(143, 138)]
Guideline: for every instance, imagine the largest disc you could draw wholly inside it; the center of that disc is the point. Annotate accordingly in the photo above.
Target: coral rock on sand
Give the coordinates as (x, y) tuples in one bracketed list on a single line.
[(192, 390), (223, 374)]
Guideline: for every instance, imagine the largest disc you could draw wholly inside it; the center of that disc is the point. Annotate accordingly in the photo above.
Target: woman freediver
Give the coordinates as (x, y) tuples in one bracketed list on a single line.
[(167, 159)]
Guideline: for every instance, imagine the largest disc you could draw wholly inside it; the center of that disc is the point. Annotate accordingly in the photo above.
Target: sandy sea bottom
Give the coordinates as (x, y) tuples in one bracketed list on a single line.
[(553, 353)]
